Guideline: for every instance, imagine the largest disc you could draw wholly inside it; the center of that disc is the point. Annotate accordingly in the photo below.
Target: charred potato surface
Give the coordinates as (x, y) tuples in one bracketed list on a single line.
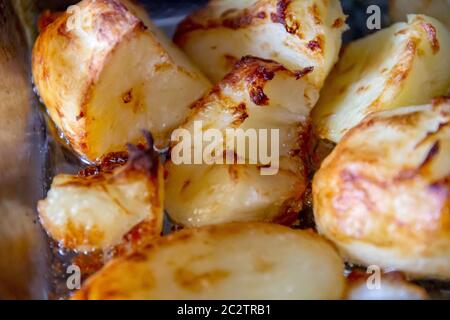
[(297, 34)]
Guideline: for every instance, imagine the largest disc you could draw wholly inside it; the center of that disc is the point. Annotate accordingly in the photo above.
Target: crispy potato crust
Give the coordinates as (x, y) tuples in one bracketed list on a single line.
[(230, 261), (297, 34), (257, 94), (383, 194)]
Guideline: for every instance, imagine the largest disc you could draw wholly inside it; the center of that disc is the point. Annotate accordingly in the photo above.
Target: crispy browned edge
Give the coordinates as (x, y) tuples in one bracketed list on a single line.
[(258, 13)]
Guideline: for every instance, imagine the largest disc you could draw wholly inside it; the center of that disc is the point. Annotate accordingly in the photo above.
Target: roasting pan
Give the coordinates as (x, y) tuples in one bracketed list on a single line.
[(31, 266)]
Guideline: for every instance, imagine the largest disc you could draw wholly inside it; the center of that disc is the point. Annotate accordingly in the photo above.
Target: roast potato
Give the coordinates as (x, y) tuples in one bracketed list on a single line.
[(382, 196), (111, 209), (297, 34), (256, 94), (104, 74), (405, 64), (439, 9), (230, 261)]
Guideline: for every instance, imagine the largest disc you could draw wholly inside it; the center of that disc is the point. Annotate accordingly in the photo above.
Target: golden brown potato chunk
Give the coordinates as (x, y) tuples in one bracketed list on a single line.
[(105, 72), (122, 207), (382, 196), (230, 261), (405, 64), (297, 34), (256, 95)]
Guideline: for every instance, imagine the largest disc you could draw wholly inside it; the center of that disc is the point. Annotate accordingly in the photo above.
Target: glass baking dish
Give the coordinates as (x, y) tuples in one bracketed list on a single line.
[(32, 266)]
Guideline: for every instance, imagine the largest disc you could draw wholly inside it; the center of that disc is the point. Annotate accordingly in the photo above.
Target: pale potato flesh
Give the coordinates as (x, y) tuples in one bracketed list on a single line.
[(110, 76), (215, 193), (382, 196), (405, 64), (155, 96), (297, 34), (86, 213), (205, 194), (229, 261)]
